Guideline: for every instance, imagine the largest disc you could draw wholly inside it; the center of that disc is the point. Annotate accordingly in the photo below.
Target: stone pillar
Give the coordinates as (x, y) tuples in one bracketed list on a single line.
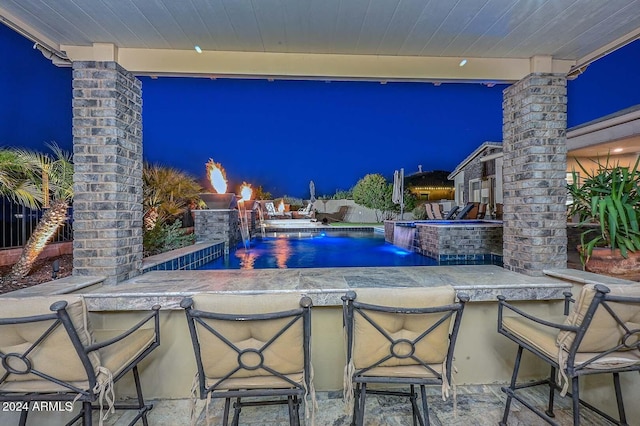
[(535, 165), (107, 154)]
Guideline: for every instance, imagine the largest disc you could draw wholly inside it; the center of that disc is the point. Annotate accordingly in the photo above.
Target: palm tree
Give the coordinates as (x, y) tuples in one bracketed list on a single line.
[(167, 192), (15, 183), (38, 180)]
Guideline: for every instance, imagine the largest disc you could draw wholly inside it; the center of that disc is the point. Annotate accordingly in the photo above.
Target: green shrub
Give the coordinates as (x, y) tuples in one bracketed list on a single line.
[(341, 194), (420, 213), (165, 237), (293, 201)]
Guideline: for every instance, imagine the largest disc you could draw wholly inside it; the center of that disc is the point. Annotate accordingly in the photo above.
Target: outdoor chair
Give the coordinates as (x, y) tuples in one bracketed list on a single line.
[(338, 216), (482, 211), (499, 211), (400, 337), (50, 352), (429, 210), (452, 213), (465, 212), (272, 213), (436, 211), (307, 211), (252, 346), (600, 336)]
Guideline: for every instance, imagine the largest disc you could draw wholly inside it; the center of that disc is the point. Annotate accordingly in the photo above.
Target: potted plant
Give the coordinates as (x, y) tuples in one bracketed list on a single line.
[(609, 197)]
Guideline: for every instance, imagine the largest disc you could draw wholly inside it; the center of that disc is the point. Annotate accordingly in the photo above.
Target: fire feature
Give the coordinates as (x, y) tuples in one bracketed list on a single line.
[(245, 192), (217, 176)]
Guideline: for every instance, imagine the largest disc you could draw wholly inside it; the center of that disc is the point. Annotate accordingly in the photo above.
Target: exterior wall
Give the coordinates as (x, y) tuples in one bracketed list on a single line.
[(535, 164), (107, 154), (624, 160), (460, 188), (473, 171), (499, 181), (223, 225)]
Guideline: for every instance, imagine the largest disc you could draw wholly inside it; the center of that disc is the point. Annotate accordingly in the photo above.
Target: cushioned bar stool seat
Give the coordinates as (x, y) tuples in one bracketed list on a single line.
[(50, 352), (402, 336), (252, 346), (600, 336)]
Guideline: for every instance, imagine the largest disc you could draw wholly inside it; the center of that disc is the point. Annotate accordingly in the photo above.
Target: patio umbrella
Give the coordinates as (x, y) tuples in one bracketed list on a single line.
[(312, 191), (398, 190)]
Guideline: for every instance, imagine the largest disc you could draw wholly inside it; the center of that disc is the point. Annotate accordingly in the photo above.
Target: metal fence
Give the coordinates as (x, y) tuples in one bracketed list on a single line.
[(18, 222)]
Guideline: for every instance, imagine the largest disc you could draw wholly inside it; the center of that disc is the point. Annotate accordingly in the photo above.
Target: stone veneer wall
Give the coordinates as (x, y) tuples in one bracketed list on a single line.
[(535, 164), (107, 181), (444, 242), (218, 225)]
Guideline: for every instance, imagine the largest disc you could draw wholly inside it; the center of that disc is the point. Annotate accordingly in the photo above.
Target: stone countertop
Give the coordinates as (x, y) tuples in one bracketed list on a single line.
[(584, 277), (65, 285), (325, 286)]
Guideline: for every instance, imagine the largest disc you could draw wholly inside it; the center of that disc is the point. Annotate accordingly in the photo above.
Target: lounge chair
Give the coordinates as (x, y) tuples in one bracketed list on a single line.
[(498, 214), (464, 213), (436, 211), (272, 213), (482, 211), (429, 210), (452, 213), (334, 217), (306, 212)]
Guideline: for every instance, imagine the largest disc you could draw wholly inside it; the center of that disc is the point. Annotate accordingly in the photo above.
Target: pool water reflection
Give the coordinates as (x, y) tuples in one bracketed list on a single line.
[(319, 250)]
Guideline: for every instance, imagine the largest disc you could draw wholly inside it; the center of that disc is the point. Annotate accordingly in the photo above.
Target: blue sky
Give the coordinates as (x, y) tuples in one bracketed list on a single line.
[(282, 134)]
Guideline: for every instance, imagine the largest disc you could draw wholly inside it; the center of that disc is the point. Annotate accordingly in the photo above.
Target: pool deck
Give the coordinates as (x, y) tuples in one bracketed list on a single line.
[(325, 286)]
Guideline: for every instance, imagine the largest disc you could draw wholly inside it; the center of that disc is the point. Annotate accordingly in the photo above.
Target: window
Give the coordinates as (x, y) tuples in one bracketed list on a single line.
[(475, 187)]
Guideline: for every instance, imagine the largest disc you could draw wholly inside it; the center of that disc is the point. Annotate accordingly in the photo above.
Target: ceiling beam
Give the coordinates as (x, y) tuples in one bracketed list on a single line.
[(161, 62)]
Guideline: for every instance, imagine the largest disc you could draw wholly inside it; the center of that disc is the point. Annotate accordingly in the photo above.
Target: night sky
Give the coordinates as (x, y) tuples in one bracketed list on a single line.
[(282, 134)]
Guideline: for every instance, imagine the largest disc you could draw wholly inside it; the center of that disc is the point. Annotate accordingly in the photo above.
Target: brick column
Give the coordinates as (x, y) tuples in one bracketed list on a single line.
[(535, 164), (107, 154)]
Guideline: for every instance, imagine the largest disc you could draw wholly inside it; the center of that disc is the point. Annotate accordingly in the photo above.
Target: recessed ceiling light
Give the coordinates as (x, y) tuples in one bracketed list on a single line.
[(617, 150), (197, 48), (463, 62)]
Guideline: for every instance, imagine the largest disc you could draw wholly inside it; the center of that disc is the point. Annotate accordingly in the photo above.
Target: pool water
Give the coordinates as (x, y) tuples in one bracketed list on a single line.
[(319, 250)]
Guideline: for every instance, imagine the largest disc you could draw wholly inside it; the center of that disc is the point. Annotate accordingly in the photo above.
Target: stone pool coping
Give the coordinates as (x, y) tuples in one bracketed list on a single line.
[(325, 286)]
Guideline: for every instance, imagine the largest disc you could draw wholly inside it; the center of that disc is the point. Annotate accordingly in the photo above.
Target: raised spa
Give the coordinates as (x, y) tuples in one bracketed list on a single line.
[(449, 241)]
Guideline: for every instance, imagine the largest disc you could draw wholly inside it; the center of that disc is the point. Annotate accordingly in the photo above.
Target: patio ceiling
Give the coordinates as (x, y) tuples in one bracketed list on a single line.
[(420, 40)]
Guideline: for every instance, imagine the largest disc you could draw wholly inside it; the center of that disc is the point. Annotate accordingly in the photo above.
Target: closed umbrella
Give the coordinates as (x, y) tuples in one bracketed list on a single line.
[(398, 190), (312, 191)]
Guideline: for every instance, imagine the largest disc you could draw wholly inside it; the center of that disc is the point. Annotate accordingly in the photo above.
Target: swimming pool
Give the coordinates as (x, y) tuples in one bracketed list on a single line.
[(319, 250)]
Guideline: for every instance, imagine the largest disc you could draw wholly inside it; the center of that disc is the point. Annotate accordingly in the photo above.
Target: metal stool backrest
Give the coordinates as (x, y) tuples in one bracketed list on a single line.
[(405, 327), (44, 352), (250, 342)]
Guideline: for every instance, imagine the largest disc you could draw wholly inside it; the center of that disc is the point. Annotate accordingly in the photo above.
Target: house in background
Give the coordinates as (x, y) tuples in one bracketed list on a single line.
[(430, 186), (478, 178), (615, 135)]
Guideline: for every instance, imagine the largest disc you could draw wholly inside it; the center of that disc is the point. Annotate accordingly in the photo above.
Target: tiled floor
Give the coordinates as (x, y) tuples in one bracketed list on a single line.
[(473, 405)]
